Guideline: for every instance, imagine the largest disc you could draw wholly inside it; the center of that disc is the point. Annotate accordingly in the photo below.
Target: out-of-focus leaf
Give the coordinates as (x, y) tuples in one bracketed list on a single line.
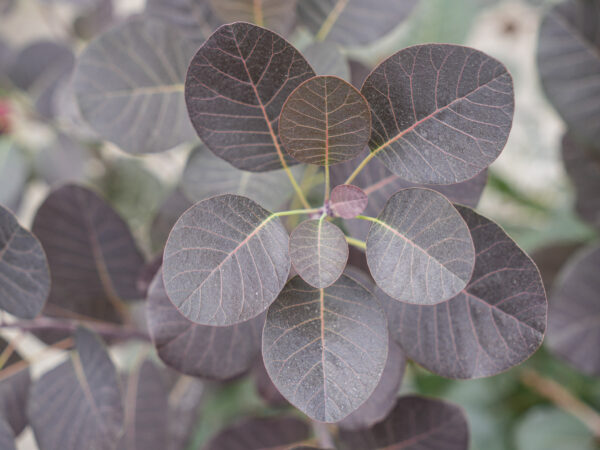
[(24, 274), (415, 423), (235, 89), (276, 15), (168, 213), (573, 331), (441, 113), (94, 20), (358, 73), (184, 401), (568, 58), (14, 391), (419, 248), (129, 86), (495, 323), (550, 260), (325, 349), (200, 350), (348, 201), (265, 387), (7, 438), (147, 273), (327, 59), (13, 175), (62, 161), (86, 398)]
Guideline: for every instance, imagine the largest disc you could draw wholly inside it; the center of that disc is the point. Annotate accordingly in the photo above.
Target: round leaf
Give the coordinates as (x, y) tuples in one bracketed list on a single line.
[(225, 261), (573, 331), (325, 349), (129, 86), (24, 273), (419, 249), (441, 113), (495, 323), (325, 121), (348, 201), (276, 15), (235, 88), (199, 350)]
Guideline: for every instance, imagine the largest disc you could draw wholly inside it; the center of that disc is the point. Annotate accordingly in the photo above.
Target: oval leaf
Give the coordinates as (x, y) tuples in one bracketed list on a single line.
[(325, 121), (415, 423), (325, 349), (225, 261), (235, 88), (319, 252), (24, 273), (568, 57), (348, 201), (199, 350), (276, 15), (573, 332), (441, 113), (419, 249), (495, 323), (129, 86), (85, 397), (353, 22), (14, 391)]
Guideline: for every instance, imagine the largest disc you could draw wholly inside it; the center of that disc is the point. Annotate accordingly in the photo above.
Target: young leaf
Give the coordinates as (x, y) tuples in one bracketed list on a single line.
[(348, 201), (441, 113), (226, 261), (7, 438), (419, 248), (24, 273), (261, 434), (325, 349), (14, 391), (573, 332), (415, 423), (325, 121), (276, 15), (353, 22), (327, 59), (235, 88), (85, 397), (129, 86), (319, 252), (94, 262), (568, 58), (495, 323), (199, 350)]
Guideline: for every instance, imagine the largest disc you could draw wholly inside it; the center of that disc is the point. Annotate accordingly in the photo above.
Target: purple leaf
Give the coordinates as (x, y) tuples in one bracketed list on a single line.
[(168, 213), (7, 438), (348, 201), (265, 387), (14, 391), (276, 15)]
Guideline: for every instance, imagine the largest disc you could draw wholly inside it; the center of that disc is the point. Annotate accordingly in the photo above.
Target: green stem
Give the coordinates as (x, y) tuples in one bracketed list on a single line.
[(297, 211), (370, 219), (360, 167), (299, 192), (327, 184), (356, 243)]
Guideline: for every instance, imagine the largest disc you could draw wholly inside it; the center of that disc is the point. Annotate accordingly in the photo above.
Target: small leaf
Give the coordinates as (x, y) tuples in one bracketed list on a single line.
[(325, 121), (85, 397), (199, 350), (24, 274), (129, 86), (14, 391), (415, 423), (325, 349), (568, 58), (276, 15), (495, 323), (573, 332), (353, 22), (441, 113), (327, 59), (7, 438), (419, 249), (319, 252), (261, 434), (235, 88), (348, 201), (226, 261)]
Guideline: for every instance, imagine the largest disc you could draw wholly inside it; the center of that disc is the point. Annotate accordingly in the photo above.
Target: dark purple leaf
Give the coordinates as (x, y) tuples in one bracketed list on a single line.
[(550, 260), (184, 401), (415, 423), (573, 331), (327, 59), (353, 22), (495, 323), (94, 20), (226, 261), (24, 274), (14, 391), (568, 58), (325, 349), (129, 86), (348, 201), (7, 438), (199, 350), (441, 113), (325, 121), (261, 434), (146, 400), (384, 397), (419, 248), (86, 398), (276, 15), (265, 387), (147, 273), (235, 89), (94, 262), (358, 73), (168, 213), (319, 252)]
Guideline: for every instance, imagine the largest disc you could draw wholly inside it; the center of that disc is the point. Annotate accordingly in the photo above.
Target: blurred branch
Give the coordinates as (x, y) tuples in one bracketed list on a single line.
[(25, 363), (323, 435), (562, 398)]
